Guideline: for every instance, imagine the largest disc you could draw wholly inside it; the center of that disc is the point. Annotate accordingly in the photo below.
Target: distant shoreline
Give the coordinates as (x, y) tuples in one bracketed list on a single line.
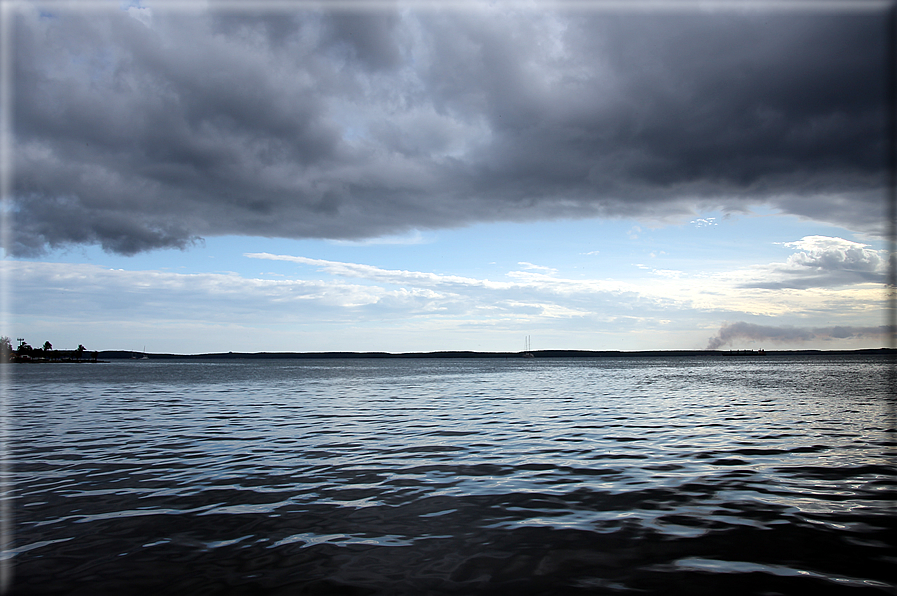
[(128, 355)]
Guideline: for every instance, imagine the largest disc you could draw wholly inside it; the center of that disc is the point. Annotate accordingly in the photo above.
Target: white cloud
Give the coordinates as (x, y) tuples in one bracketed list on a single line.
[(530, 266), (144, 14), (824, 261), (377, 274), (827, 253), (668, 273), (759, 289)]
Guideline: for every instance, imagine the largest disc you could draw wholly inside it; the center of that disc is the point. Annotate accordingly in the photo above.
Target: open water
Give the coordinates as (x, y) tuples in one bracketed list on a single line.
[(703, 475)]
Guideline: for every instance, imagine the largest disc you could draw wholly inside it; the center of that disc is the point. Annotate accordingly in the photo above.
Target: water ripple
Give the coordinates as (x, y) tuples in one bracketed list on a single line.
[(478, 476)]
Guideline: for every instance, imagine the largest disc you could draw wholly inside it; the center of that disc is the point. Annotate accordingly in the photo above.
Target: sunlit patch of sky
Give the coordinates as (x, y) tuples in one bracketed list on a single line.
[(660, 262), (574, 247)]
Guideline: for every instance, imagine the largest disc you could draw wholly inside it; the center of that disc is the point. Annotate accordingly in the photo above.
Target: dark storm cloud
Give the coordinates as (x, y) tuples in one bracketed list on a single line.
[(138, 130), (730, 332), (369, 38)]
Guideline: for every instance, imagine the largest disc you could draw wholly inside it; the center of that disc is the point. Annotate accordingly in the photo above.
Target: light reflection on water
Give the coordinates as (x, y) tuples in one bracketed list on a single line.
[(454, 476)]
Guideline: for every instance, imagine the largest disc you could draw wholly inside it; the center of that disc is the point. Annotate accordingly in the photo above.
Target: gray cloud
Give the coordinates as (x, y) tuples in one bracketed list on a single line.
[(731, 332), (139, 133)]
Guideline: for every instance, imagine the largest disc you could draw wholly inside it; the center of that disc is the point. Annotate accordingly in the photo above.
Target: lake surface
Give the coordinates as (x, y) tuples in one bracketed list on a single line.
[(704, 475)]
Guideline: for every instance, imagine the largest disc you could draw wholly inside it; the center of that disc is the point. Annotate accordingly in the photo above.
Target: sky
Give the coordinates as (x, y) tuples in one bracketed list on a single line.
[(193, 177)]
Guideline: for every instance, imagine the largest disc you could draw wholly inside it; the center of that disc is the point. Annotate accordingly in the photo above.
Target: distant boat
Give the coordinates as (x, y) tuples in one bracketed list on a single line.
[(527, 346), (759, 352)]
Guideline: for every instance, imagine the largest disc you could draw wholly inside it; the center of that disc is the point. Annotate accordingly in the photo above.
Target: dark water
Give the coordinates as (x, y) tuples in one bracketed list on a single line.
[(604, 476)]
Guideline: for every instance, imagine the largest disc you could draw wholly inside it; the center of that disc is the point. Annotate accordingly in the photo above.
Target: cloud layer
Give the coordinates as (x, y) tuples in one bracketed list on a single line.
[(145, 128)]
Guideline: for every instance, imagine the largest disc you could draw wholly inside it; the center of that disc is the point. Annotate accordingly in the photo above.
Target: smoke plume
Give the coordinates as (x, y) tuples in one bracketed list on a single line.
[(730, 332)]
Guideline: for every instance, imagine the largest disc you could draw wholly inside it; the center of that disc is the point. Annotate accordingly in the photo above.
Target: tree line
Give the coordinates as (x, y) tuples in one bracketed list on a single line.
[(25, 353)]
